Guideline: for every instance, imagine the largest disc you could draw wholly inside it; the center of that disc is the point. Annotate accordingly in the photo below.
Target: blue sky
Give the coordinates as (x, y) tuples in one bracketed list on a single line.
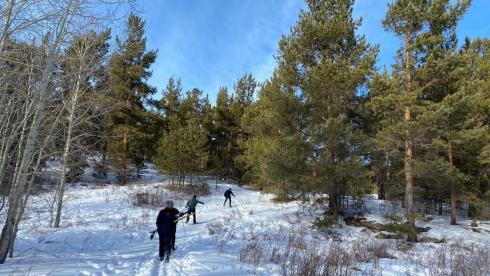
[(211, 43)]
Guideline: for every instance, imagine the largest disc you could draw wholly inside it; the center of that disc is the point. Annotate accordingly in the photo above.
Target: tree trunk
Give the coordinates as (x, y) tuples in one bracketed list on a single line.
[(28, 192), (124, 174), (412, 235), (66, 151), (104, 160), (29, 149), (388, 167), (123, 177), (381, 184), (333, 195), (454, 210), (381, 187), (333, 208), (9, 137), (6, 24)]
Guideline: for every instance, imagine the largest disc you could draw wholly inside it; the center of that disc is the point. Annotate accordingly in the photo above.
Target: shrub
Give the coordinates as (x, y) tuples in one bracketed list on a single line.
[(393, 217), (460, 260), (152, 198), (325, 222), (283, 198), (337, 261), (252, 253), (199, 189), (370, 251), (215, 228), (397, 228), (295, 255), (475, 262)]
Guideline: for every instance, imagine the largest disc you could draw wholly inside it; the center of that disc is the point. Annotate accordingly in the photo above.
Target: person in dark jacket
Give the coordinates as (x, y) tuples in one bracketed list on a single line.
[(228, 194), (191, 208), (166, 227), (174, 228)]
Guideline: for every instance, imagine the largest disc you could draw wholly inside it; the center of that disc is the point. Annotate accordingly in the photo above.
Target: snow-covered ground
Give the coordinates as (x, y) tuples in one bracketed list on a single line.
[(103, 233)]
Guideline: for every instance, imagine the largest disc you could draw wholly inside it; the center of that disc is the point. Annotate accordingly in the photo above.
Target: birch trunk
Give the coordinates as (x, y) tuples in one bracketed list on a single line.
[(31, 181), (10, 128), (66, 151), (32, 137)]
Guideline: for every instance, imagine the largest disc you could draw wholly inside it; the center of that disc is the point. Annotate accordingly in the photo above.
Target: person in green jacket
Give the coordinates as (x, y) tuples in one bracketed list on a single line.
[(191, 208)]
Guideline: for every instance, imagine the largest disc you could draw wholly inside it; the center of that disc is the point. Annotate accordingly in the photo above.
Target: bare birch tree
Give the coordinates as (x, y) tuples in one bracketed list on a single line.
[(50, 25), (85, 57)]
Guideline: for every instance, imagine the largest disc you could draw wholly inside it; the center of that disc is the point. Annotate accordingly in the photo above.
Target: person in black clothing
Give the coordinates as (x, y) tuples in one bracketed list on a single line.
[(228, 194), (166, 227), (174, 226)]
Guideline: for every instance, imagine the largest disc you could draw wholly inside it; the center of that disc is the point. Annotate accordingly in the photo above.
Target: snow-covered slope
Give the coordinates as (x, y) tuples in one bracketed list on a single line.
[(102, 233)]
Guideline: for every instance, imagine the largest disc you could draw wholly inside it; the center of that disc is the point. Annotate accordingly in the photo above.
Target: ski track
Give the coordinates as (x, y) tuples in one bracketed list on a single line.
[(196, 252), (103, 234)]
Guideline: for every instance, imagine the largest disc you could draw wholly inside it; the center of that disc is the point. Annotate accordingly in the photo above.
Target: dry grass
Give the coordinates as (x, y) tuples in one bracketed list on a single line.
[(295, 255), (457, 258), (294, 252), (371, 251), (215, 228)]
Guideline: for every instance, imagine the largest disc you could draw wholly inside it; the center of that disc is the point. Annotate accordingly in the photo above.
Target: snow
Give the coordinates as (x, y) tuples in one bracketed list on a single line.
[(102, 233)]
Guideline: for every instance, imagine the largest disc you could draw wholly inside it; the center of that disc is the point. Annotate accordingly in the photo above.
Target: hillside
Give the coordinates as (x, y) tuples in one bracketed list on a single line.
[(103, 233)]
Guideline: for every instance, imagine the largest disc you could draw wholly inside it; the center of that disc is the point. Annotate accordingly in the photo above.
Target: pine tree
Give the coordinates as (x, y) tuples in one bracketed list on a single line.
[(441, 117), (243, 97), (467, 121), (275, 154), (129, 69), (221, 131), (423, 26), (182, 151), (325, 62), (244, 90), (183, 146), (192, 108), (170, 105), (382, 114)]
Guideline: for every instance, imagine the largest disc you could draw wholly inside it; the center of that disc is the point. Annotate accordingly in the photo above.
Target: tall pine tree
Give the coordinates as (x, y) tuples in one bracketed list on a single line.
[(423, 26), (221, 136), (276, 153), (327, 63), (129, 70)]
